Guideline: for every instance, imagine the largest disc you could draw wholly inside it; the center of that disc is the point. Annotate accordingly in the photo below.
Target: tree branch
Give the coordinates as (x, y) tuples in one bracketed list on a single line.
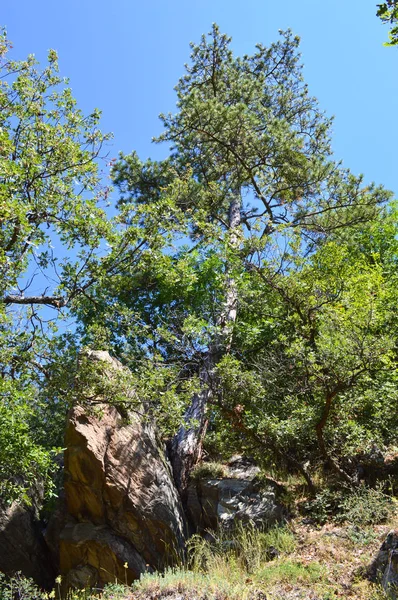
[(55, 301)]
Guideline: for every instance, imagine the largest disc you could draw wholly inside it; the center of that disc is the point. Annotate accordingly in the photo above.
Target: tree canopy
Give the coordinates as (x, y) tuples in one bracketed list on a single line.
[(259, 218), (247, 280), (50, 191)]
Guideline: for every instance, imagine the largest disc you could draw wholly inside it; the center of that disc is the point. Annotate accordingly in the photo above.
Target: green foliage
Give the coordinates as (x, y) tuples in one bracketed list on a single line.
[(227, 567), (20, 588), (224, 114), (293, 571), (114, 591), (270, 279), (246, 546), (236, 567), (361, 536), (48, 156), (366, 506), (248, 263), (388, 13), (24, 464), (360, 506), (217, 586), (323, 506), (49, 196)]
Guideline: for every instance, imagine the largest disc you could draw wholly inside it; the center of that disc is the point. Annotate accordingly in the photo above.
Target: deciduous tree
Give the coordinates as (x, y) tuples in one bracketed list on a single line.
[(51, 228)]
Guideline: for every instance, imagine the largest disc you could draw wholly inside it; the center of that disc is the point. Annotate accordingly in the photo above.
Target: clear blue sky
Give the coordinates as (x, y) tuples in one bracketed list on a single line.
[(125, 57)]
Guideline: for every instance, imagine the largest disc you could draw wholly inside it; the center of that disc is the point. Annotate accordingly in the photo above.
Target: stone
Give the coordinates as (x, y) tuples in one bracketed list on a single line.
[(22, 545), (242, 467), (55, 524), (84, 577), (120, 497), (385, 566), (225, 502), (95, 552)]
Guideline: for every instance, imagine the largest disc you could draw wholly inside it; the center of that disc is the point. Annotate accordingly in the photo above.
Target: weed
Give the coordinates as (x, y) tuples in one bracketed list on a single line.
[(20, 588), (115, 591), (366, 506), (358, 506), (361, 536), (247, 547), (322, 508), (218, 584)]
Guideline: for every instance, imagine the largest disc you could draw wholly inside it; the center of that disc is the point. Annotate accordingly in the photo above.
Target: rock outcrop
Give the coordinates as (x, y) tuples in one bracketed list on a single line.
[(385, 566), (122, 504), (119, 514), (238, 498), (22, 546)]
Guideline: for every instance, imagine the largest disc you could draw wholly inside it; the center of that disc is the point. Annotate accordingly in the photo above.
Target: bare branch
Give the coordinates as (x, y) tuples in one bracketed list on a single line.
[(54, 301)]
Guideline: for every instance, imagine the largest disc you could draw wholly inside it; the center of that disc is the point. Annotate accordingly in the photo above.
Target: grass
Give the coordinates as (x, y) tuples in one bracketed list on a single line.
[(219, 583), (289, 562), (309, 563), (306, 562), (209, 470), (246, 548), (292, 572)]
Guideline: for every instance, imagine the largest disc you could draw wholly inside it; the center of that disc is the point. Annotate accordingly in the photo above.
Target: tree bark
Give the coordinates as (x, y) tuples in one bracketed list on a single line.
[(186, 446), (55, 301), (321, 442)]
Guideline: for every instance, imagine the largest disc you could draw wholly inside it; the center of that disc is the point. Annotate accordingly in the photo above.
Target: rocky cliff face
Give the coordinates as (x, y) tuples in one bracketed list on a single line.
[(121, 500), (22, 546), (120, 513)]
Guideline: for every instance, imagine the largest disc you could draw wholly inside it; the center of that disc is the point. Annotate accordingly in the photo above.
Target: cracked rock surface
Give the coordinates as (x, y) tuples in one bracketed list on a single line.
[(228, 501), (121, 501)]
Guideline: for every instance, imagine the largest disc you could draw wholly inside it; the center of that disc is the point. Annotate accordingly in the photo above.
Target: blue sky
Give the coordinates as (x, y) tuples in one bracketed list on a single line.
[(125, 57)]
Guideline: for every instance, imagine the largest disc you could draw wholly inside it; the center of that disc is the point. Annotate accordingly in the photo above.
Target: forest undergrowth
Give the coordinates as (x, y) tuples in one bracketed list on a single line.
[(323, 551)]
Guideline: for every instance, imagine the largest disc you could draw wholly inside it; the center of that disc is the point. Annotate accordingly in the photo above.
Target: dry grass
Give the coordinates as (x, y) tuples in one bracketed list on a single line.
[(298, 561), (344, 552), (322, 563)]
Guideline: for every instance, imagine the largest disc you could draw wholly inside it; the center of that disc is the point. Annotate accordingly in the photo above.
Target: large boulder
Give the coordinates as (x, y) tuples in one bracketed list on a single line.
[(122, 504), (238, 498)]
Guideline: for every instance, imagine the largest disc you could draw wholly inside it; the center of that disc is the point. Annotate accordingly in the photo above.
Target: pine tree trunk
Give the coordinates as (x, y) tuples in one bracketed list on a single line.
[(186, 447)]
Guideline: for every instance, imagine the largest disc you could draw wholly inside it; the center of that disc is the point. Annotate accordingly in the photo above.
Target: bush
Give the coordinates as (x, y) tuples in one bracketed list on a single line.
[(366, 506), (19, 588), (247, 548), (359, 506), (323, 507)]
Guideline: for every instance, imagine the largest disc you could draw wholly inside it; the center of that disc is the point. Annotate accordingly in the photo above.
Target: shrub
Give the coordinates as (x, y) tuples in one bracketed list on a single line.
[(366, 506), (247, 548), (359, 506), (19, 588), (324, 506)]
